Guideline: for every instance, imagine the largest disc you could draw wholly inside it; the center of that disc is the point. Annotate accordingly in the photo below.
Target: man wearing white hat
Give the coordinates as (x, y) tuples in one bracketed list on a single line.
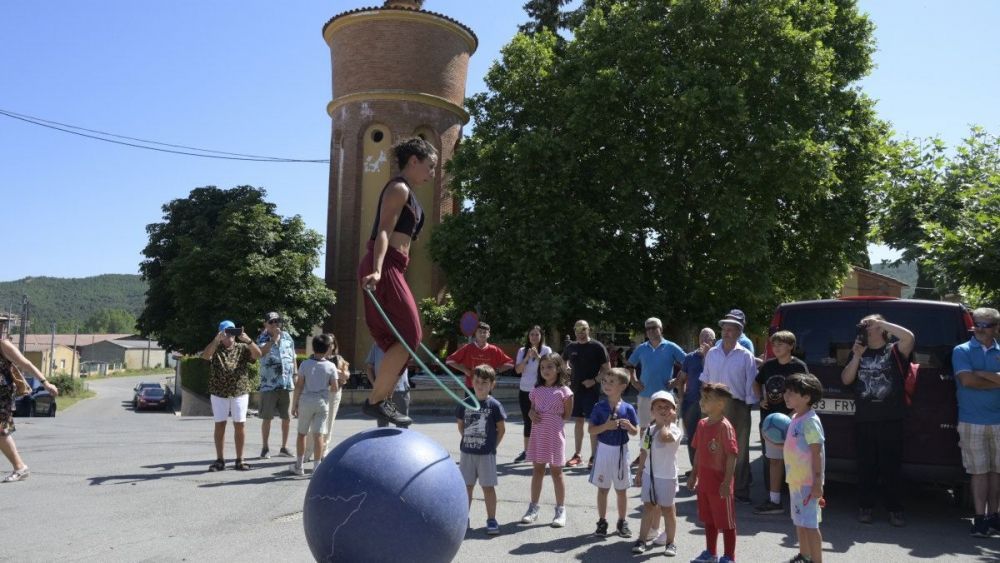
[(732, 365)]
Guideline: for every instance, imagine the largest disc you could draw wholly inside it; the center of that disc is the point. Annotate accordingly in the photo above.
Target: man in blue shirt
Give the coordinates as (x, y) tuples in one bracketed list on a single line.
[(656, 356), (277, 380), (741, 318), (976, 364), (689, 383)]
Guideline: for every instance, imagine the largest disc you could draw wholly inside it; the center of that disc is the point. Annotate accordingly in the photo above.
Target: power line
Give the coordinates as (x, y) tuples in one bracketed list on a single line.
[(97, 135)]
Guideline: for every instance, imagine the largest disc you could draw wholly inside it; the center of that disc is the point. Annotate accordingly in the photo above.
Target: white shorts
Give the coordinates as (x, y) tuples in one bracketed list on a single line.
[(664, 490), (222, 407), (312, 415), (611, 467), (643, 407), (773, 451)]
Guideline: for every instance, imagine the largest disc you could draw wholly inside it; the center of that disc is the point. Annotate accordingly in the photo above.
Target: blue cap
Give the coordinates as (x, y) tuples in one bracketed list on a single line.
[(226, 324)]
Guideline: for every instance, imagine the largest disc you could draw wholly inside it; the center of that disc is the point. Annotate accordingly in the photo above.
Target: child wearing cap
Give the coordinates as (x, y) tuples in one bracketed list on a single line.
[(613, 421), (657, 473)]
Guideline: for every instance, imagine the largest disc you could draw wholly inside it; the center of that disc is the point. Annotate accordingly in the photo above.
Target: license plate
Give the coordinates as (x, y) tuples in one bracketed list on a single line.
[(835, 406)]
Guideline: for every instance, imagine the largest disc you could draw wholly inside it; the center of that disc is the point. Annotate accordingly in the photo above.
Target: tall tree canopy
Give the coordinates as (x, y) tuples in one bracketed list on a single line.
[(226, 254), (942, 211), (677, 158)]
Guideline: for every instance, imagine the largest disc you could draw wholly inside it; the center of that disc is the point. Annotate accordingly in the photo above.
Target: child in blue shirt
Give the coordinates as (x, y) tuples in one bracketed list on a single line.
[(481, 432), (614, 421)]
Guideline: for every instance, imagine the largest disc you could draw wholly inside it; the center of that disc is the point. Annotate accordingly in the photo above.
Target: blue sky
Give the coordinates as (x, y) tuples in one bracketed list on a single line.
[(253, 76)]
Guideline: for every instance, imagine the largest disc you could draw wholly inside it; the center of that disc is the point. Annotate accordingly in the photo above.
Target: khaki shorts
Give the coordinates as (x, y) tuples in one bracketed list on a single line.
[(312, 415), (980, 444), (275, 402)]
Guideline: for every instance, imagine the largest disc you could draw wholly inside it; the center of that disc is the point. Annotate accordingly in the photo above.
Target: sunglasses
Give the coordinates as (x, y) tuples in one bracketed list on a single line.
[(274, 322), (983, 324)]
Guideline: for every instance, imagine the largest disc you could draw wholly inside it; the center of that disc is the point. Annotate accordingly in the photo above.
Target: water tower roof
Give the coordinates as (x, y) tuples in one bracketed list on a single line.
[(403, 6)]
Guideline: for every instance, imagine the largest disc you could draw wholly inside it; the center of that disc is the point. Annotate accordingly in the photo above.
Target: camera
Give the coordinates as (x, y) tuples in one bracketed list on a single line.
[(234, 331), (863, 334)]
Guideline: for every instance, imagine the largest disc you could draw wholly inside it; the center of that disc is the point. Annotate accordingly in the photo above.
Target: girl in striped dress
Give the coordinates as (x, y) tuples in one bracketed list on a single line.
[(551, 406)]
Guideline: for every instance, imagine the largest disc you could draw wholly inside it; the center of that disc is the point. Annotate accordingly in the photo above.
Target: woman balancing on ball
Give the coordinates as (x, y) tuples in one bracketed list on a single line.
[(398, 221)]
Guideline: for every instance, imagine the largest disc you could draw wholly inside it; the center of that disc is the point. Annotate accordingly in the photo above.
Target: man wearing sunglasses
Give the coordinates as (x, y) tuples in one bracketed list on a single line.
[(277, 376), (977, 387)]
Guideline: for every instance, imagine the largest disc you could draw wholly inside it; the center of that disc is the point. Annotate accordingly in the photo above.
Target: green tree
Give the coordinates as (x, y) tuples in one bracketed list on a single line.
[(677, 158), (962, 236), (110, 321), (226, 254)]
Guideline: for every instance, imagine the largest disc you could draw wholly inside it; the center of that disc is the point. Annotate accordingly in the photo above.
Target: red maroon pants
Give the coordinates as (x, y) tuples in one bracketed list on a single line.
[(394, 296)]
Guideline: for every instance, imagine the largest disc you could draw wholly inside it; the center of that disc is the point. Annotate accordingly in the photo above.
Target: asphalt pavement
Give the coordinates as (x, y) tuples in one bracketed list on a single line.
[(109, 484)]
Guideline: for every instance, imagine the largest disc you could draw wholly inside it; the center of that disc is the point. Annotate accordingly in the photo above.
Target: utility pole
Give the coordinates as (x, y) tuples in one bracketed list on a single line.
[(25, 308), (52, 351), (72, 368)]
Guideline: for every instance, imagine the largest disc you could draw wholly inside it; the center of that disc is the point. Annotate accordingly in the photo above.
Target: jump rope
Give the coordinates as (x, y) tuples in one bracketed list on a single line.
[(461, 383)]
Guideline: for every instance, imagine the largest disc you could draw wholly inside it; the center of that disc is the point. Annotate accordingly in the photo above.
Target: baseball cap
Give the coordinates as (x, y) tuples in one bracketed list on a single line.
[(226, 324), (663, 396), (735, 317), (272, 316)]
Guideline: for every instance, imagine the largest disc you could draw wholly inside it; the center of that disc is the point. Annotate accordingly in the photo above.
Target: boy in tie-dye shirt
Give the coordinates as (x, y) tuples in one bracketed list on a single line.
[(805, 463)]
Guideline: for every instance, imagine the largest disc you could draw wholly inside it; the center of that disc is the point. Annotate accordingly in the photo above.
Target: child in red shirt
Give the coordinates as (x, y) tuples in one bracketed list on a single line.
[(477, 353), (712, 474)]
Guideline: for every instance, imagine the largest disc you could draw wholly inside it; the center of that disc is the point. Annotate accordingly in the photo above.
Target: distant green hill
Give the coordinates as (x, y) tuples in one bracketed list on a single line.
[(70, 301)]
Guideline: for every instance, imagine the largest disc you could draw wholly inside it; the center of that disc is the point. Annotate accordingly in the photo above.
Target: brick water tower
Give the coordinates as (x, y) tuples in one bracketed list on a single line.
[(398, 71)]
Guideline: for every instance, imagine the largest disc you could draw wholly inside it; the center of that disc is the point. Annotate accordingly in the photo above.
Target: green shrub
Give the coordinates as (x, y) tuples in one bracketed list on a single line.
[(68, 385), (195, 372), (299, 358)]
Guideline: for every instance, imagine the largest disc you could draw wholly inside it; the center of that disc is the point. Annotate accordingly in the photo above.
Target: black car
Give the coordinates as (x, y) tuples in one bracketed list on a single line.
[(825, 330), (138, 389), (154, 398), (38, 403)]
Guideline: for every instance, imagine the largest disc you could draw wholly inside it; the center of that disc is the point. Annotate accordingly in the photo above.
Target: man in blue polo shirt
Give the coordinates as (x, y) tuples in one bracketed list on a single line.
[(976, 364), (656, 356)]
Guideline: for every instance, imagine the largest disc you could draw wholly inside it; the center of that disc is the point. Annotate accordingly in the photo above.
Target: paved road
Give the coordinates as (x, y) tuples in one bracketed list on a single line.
[(110, 484)]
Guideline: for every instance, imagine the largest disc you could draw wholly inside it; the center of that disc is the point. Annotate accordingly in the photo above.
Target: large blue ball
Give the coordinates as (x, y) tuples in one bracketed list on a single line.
[(386, 494), (775, 427)]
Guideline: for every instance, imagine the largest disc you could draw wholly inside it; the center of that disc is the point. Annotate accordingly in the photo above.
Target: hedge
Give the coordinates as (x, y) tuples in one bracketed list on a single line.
[(195, 372)]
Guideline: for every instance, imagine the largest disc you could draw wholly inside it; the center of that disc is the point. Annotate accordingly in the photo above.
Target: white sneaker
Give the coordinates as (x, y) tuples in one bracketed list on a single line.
[(670, 550), (652, 534), (531, 515), (297, 469), (315, 466), (661, 539), (560, 519)]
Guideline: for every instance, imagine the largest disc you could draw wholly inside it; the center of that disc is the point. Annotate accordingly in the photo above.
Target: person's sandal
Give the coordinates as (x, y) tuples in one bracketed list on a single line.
[(241, 465), (219, 465), (17, 475)]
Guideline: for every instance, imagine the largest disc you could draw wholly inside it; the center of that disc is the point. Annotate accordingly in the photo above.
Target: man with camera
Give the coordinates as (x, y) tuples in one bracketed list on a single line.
[(875, 374), (230, 352), (277, 380)]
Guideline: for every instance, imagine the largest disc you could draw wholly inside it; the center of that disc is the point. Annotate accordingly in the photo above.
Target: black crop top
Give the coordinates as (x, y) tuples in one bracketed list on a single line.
[(411, 217)]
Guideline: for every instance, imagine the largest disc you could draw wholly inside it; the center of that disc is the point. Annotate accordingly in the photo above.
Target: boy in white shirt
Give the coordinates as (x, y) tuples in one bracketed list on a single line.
[(657, 472)]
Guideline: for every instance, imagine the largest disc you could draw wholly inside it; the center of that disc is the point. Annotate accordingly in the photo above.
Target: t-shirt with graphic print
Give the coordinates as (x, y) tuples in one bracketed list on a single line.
[(878, 389), (480, 434), (771, 377), (230, 375), (804, 431), (277, 368)]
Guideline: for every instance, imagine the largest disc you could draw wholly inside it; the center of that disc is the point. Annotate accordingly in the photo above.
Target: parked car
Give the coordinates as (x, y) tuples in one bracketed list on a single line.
[(38, 403), (154, 398), (825, 330), (138, 389)]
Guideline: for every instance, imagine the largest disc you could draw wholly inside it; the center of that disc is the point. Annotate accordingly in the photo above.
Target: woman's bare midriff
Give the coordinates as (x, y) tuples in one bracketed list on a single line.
[(401, 242)]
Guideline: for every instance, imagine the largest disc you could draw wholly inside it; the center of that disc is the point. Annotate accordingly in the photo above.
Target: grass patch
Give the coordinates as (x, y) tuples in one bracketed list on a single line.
[(64, 402)]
